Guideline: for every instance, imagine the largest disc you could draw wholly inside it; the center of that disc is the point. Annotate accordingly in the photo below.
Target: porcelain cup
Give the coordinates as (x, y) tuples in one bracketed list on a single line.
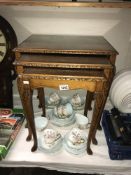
[(82, 121), (40, 123), (75, 136), (54, 99), (50, 136), (77, 100), (63, 110)]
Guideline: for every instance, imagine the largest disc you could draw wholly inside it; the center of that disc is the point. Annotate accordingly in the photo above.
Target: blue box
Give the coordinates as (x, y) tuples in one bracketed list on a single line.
[(117, 151)]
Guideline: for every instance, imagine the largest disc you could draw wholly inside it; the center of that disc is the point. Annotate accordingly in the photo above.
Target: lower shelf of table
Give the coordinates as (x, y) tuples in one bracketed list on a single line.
[(20, 155)]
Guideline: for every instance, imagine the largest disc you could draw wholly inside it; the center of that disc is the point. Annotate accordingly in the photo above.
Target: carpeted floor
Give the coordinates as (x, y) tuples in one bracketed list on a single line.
[(32, 171)]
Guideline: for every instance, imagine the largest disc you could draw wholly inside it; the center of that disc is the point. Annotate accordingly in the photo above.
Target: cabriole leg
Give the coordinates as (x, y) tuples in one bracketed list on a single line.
[(26, 99)]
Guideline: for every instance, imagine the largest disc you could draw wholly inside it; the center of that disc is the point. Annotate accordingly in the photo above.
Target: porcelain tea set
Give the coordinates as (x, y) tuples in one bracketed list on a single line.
[(54, 99), (52, 141), (63, 113), (63, 110)]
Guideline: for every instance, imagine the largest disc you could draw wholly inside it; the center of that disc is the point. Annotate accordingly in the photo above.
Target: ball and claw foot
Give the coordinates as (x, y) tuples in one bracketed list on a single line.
[(89, 151), (94, 141)]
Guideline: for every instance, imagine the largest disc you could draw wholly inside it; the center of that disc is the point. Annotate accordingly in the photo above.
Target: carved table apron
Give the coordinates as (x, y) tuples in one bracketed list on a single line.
[(43, 61)]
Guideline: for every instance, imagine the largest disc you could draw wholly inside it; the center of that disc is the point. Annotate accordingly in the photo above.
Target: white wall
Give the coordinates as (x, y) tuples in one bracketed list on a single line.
[(113, 24)]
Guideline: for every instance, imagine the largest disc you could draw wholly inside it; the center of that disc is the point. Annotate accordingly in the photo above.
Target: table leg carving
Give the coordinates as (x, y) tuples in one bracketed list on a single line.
[(26, 99)]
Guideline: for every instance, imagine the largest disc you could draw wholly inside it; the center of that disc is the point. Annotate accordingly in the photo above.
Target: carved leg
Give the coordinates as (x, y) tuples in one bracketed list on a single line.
[(101, 108), (93, 122), (26, 126), (89, 98), (21, 92), (26, 99), (106, 89), (41, 97)]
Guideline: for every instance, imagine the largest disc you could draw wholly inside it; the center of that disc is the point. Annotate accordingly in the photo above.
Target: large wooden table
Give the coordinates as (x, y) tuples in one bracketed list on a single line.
[(65, 62)]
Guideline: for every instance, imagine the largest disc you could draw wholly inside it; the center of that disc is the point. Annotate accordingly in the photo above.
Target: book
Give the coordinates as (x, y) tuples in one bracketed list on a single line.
[(10, 125)]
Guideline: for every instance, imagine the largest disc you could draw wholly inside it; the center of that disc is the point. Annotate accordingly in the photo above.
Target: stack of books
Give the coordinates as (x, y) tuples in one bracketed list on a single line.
[(11, 121)]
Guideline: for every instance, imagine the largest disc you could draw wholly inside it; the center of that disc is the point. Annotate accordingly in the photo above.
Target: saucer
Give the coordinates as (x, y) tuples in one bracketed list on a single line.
[(74, 151), (78, 107), (62, 122), (75, 148), (49, 148)]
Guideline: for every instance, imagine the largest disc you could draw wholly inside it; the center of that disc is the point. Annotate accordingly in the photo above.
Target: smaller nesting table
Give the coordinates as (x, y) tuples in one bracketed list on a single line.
[(69, 62)]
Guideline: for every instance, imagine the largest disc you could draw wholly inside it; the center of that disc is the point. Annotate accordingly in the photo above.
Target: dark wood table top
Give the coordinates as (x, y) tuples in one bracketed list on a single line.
[(66, 44), (63, 61)]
